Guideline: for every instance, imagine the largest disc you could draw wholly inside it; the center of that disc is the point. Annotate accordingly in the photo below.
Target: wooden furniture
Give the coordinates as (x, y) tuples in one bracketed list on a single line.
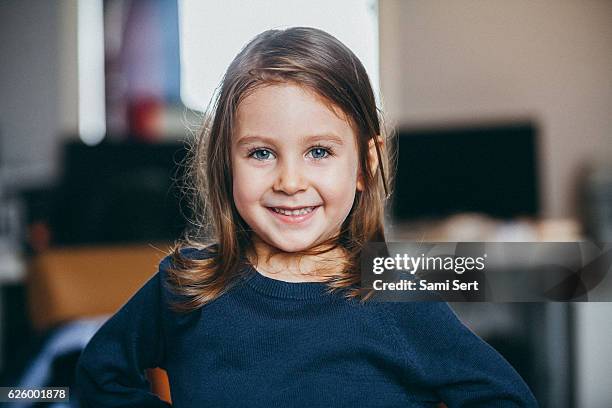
[(75, 282)]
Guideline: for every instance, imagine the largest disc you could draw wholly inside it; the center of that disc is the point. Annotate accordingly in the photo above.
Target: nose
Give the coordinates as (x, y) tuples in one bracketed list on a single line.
[(290, 178)]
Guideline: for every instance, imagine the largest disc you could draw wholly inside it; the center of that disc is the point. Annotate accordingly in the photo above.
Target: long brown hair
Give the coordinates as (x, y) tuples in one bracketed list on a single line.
[(317, 61)]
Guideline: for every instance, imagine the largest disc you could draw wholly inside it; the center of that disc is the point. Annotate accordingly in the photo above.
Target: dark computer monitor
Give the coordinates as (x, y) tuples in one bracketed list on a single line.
[(118, 192), (485, 169)]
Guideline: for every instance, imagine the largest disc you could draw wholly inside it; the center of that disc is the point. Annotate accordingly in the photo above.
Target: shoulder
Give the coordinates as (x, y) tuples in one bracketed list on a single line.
[(427, 322), (180, 255), (405, 313), (433, 329), (413, 317), (176, 270)]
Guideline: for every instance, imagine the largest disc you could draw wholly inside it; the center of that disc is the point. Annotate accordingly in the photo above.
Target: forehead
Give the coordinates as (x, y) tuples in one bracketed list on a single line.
[(288, 110)]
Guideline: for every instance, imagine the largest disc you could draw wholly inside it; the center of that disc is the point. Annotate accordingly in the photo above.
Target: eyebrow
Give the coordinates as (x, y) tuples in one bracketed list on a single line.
[(329, 137)]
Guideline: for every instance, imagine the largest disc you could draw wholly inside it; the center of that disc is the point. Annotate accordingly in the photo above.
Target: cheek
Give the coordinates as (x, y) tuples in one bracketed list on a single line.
[(244, 187), (339, 186)]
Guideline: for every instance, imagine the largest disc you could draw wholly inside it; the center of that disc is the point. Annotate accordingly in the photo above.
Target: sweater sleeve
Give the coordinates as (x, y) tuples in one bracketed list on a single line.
[(442, 353), (111, 369)]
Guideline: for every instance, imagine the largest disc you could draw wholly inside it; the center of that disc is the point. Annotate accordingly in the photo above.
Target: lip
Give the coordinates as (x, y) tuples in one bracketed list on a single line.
[(293, 219)]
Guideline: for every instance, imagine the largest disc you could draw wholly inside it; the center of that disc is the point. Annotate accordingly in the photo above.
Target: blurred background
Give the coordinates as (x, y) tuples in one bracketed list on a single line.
[(503, 116)]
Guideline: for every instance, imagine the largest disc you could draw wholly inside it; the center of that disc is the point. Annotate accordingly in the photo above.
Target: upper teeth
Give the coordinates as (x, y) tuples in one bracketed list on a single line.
[(300, 211)]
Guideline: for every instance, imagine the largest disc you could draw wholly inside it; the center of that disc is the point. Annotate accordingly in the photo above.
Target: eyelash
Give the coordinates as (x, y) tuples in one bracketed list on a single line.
[(328, 149)]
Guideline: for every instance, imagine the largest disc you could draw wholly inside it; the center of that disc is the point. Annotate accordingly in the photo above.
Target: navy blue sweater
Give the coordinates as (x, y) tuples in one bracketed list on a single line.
[(272, 343)]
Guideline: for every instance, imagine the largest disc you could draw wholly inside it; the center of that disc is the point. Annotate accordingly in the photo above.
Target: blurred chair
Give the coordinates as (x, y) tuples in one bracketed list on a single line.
[(76, 282)]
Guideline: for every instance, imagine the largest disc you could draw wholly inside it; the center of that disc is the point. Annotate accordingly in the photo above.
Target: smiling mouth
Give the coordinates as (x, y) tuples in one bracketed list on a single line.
[(293, 212)]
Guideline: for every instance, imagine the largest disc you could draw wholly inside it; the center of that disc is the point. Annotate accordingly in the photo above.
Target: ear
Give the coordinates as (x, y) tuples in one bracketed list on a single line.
[(372, 160)]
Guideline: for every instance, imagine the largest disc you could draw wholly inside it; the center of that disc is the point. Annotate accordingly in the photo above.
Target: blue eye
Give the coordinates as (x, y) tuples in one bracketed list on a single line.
[(319, 153), (261, 154)]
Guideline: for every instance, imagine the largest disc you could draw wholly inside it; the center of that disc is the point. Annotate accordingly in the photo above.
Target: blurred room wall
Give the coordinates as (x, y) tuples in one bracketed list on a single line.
[(593, 354), (464, 61), (38, 87), (29, 112)]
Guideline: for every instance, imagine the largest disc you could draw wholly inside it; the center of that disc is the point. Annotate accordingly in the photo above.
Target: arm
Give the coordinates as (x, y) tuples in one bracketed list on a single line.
[(110, 371), (445, 355)]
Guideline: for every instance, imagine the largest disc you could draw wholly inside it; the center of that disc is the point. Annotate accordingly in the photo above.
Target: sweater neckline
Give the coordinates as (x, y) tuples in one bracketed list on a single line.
[(283, 289)]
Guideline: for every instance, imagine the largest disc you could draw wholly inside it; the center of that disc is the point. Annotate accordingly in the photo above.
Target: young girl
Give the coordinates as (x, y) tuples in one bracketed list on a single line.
[(291, 173)]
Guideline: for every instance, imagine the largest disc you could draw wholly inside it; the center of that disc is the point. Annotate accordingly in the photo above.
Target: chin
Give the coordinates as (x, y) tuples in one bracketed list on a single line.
[(292, 248), (289, 246)]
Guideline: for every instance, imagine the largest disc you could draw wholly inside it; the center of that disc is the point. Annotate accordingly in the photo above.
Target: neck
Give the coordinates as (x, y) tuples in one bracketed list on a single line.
[(293, 267)]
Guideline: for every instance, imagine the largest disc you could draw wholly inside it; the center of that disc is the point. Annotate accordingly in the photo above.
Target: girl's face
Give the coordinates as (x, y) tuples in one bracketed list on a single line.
[(294, 167)]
